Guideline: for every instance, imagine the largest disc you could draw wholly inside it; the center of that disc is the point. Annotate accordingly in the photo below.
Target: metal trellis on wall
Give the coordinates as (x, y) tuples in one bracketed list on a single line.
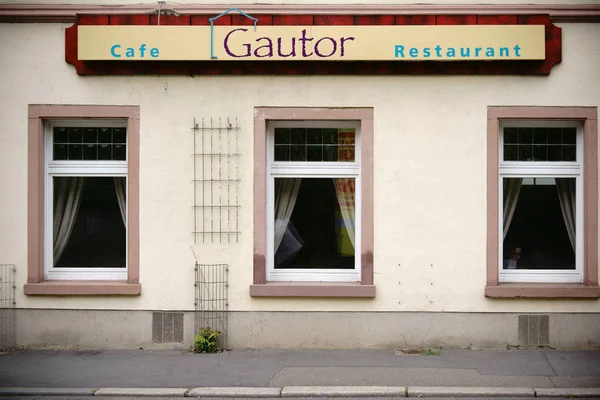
[(211, 303), (7, 306), (216, 180)]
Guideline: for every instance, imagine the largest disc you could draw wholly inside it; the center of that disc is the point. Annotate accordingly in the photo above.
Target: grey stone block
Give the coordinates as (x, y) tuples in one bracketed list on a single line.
[(533, 336), (167, 328), (142, 392), (178, 327), (441, 391), (234, 392), (523, 330), (544, 330), (567, 392), (343, 391), (18, 391), (157, 323)]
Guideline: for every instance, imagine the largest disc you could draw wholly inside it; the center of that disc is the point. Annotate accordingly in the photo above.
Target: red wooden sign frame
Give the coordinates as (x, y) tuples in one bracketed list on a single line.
[(512, 67)]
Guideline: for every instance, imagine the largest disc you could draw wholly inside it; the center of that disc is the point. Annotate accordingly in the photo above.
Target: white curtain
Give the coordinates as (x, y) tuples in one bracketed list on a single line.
[(344, 189), (120, 186), (566, 195), (68, 198), (512, 188), (285, 200)]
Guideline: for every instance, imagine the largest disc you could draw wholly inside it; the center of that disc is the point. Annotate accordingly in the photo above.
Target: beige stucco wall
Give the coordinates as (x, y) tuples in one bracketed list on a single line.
[(430, 166)]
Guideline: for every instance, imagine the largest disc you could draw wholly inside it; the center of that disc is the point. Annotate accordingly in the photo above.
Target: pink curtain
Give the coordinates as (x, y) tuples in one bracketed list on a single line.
[(344, 190)]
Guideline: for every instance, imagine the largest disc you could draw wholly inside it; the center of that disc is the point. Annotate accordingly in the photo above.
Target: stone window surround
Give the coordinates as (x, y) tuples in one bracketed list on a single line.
[(262, 288), (36, 285), (589, 288)]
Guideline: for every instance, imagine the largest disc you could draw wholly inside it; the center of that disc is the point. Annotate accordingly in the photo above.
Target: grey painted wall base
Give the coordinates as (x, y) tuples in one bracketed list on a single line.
[(44, 328)]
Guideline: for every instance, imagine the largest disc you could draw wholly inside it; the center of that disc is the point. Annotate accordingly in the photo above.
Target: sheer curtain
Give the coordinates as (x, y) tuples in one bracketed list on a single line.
[(512, 188), (285, 200), (69, 191), (120, 186), (566, 196), (344, 190)]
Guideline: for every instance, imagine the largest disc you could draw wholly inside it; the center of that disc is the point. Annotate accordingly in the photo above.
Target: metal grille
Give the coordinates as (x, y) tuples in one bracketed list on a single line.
[(7, 306), (211, 303), (216, 180)]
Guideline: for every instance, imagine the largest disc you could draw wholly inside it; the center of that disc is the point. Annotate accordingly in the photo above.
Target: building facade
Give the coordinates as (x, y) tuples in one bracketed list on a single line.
[(339, 175)]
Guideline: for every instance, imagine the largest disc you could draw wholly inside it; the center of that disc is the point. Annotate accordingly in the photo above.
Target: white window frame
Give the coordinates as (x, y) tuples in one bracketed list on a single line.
[(309, 169), (66, 168), (540, 169)]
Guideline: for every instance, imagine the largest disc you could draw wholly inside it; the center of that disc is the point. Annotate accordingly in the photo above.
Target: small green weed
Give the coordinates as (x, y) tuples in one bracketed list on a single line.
[(206, 341)]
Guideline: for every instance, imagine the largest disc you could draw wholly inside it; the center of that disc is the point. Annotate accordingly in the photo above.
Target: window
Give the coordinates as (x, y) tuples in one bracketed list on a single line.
[(314, 174), (86, 200), (83, 178), (541, 192), (542, 202), (313, 205)]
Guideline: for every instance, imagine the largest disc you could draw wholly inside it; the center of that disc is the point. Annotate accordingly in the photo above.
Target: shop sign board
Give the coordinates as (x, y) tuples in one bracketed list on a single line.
[(311, 43)]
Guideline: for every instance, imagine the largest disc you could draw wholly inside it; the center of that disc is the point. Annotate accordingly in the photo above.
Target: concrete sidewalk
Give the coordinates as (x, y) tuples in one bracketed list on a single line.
[(305, 373)]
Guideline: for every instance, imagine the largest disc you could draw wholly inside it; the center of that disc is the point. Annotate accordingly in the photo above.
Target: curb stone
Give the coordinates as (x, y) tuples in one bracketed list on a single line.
[(567, 392), (344, 391), (307, 391), (248, 392), (19, 391), (141, 392), (441, 391)]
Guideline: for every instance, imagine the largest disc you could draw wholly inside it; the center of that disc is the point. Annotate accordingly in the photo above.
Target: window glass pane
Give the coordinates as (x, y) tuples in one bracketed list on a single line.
[(119, 152), (119, 135), (511, 152), (525, 152), (315, 144), (282, 152), (88, 220), (298, 152), (75, 135), (569, 153), (569, 136), (298, 135), (554, 153), (330, 136), (60, 135), (90, 152), (525, 135), (538, 223), (314, 153), (104, 152), (540, 136), (330, 153), (314, 223), (90, 135), (511, 135), (89, 143), (104, 135), (540, 144), (60, 152), (282, 135), (540, 152), (314, 136), (75, 152), (554, 136)]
